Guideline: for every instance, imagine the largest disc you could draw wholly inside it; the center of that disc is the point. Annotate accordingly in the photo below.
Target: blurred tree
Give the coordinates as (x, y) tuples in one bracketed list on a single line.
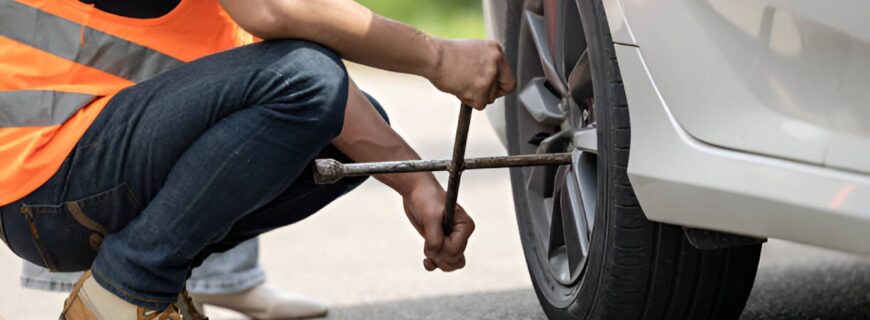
[(443, 18)]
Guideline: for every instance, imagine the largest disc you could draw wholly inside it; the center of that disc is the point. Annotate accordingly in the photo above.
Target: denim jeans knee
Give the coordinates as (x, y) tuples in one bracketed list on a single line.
[(307, 69)]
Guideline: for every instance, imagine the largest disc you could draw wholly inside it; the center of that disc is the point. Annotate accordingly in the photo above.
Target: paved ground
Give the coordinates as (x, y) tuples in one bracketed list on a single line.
[(363, 258)]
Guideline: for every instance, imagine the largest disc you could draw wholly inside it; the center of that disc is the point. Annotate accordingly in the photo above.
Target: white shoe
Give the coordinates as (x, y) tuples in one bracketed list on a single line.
[(266, 303)]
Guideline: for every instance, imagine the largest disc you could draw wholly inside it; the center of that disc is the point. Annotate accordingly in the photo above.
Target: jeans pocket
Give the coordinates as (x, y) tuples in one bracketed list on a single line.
[(106, 212), (68, 235)]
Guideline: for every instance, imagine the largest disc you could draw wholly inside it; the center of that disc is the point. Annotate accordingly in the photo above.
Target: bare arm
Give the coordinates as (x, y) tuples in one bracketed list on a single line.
[(366, 137), (474, 71)]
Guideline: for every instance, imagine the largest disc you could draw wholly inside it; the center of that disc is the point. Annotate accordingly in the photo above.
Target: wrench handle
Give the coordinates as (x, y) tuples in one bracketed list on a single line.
[(457, 165)]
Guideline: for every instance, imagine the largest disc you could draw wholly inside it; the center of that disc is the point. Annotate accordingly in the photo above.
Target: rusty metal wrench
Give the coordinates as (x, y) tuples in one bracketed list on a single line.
[(329, 170), (457, 165)]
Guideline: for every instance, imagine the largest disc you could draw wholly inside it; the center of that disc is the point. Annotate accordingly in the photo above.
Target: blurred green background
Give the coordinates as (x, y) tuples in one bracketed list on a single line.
[(442, 18)]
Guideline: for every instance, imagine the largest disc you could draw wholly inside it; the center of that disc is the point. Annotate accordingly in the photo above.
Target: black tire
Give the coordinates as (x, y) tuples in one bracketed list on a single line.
[(636, 269)]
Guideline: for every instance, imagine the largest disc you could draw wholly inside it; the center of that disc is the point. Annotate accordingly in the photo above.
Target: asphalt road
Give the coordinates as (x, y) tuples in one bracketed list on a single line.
[(362, 257), (794, 282), (800, 282)]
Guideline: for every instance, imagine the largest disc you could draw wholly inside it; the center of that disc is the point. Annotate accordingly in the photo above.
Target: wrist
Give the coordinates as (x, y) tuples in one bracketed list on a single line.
[(417, 182), (435, 60)]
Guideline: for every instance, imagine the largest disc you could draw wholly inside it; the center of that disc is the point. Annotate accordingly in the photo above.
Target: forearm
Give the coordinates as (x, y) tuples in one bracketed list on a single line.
[(366, 137), (345, 26), (474, 71)]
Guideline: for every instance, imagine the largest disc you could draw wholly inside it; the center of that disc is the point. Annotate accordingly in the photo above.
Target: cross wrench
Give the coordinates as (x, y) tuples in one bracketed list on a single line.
[(329, 170), (456, 166)]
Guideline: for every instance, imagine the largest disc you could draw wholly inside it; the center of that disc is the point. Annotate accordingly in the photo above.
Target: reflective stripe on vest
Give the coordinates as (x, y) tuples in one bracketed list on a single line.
[(30, 108), (60, 37)]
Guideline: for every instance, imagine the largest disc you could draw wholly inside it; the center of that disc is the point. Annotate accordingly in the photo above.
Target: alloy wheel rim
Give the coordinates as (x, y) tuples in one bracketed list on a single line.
[(557, 108)]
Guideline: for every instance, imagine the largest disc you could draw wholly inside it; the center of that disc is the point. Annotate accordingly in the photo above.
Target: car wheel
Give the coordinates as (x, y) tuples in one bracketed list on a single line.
[(591, 252)]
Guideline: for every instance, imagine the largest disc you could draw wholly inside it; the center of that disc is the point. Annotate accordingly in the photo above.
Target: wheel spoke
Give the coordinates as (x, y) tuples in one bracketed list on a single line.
[(538, 28), (574, 222), (570, 35), (540, 181), (580, 79), (539, 186), (560, 265), (586, 139), (557, 234), (555, 22), (586, 175), (542, 105)]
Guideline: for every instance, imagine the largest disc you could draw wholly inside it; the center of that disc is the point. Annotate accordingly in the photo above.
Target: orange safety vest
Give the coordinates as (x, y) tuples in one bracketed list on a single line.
[(61, 61)]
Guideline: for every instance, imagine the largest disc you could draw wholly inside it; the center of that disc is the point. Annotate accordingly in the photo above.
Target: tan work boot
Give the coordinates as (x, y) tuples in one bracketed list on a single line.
[(189, 310), (265, 303), (90, 301)]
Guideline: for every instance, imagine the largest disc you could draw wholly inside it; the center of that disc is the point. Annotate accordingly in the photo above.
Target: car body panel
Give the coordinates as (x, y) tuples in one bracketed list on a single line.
[(780, 78), (619, 30), (681, 180)]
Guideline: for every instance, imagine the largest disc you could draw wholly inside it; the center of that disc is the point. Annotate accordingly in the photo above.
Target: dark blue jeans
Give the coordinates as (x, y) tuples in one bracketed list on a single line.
[(189, 163)]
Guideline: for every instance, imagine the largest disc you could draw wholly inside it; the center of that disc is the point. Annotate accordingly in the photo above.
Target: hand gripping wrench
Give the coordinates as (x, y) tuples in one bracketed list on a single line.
[(329, 170)]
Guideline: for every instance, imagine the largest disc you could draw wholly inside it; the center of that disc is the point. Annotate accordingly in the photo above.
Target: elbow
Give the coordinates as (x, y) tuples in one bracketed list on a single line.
[(274, 20), (269, 26)]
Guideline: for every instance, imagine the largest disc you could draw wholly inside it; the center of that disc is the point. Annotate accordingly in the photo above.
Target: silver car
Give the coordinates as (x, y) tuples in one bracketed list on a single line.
[(699, 128)]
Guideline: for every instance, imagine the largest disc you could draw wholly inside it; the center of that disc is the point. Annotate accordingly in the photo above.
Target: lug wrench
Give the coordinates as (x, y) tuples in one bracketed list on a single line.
[(456, 167), (329, 170)]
